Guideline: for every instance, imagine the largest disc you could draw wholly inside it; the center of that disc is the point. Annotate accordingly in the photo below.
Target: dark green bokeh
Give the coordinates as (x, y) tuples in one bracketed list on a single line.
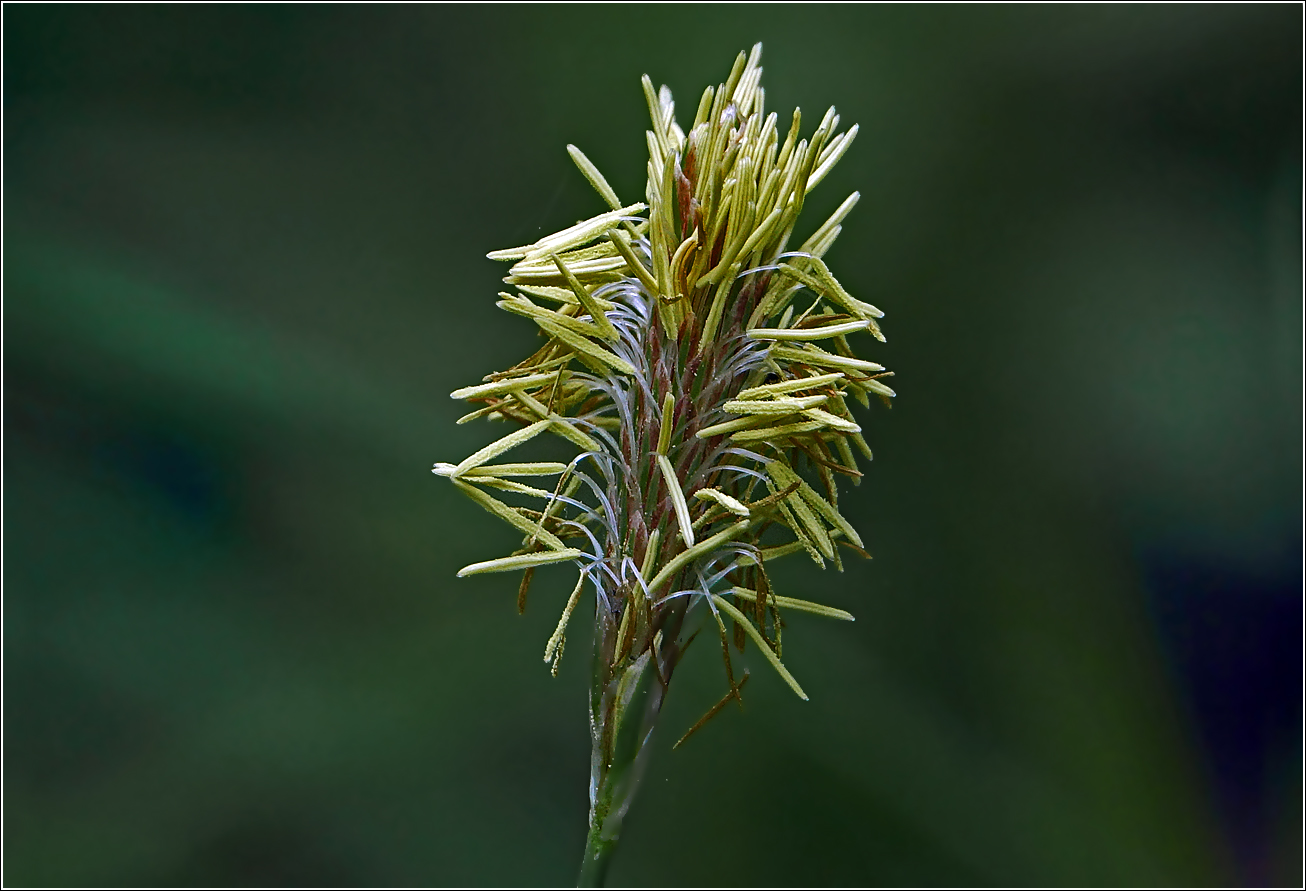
[(244, 266)]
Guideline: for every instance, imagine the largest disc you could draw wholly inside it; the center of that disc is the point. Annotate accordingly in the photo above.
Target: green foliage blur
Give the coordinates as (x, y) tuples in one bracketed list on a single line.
[(244, 266)]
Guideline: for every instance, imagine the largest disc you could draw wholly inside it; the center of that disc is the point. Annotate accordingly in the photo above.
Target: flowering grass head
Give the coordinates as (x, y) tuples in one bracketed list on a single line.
[(702, 367)]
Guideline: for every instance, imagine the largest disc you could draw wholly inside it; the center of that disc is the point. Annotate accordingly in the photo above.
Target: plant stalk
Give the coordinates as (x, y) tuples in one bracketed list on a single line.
[(626, 696)]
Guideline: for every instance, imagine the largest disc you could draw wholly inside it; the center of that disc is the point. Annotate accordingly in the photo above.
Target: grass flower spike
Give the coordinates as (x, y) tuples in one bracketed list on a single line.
[(700, 367)]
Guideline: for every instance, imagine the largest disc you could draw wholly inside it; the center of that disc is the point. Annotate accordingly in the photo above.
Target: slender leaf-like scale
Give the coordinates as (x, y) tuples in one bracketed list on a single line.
[(521, 561), (731, 504), (512, 517), (596, 312), (633, 263), (555, 640), (729, 609), (821, 359), (677, 499), (830, 157), (596, 180), (831, 224), (791, 386), (584, 345), (499, 446), (513, 486), (703, 547), (580, 233), (523, 307), (498, 388), (537, 468), (808, 333), (834, 422), (558, 295), (736, 424), (665, 423), (783, 430), (781, 405), (805, 606)]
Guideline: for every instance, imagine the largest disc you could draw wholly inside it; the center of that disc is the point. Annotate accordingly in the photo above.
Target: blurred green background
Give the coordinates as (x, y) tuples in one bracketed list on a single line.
[(244, 266)]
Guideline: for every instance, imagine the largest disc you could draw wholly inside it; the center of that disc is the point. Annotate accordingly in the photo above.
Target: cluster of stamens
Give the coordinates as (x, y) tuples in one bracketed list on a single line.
[(703, 370)]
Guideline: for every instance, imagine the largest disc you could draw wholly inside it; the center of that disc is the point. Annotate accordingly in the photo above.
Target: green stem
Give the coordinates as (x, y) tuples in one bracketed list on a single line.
[(598, 856), (625, 700)]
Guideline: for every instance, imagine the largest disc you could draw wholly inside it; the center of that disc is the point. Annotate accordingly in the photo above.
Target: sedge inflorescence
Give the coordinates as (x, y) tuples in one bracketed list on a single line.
[(702, 366)]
